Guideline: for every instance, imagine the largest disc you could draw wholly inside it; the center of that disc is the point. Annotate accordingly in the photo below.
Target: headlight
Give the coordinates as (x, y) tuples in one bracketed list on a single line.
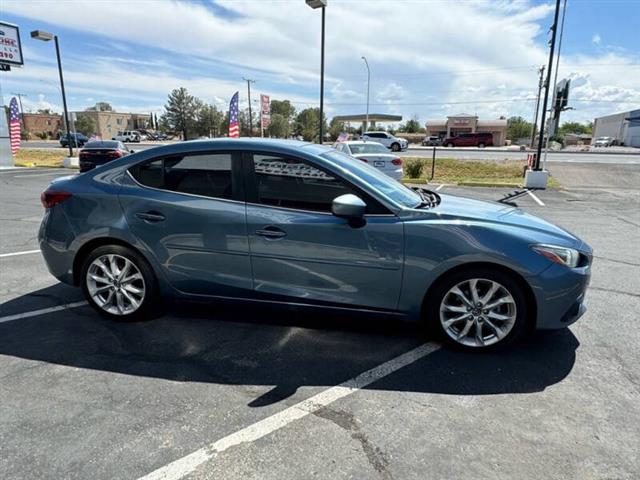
[(562, 255)]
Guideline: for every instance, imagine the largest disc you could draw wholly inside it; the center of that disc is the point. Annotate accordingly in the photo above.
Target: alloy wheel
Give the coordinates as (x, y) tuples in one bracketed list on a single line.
[(478, 312), (115, 284)]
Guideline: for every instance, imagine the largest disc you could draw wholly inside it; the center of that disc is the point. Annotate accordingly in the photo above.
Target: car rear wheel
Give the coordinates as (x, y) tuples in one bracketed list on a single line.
[(481, 145), (449, 144), (395, 147), (478, 310), (119, 284)]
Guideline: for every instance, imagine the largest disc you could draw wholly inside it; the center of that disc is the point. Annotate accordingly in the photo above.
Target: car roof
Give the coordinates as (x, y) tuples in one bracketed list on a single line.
[(359, 142)]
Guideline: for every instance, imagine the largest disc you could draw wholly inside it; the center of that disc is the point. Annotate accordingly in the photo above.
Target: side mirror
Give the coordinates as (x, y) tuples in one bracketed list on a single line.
[(348, 206), (132, 151)]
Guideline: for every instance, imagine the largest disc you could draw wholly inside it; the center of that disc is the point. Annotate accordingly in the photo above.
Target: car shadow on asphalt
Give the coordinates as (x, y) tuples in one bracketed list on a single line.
[(283, 348)]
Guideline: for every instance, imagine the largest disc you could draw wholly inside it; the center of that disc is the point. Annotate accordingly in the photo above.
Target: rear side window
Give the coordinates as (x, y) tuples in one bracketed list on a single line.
[(205, 175)]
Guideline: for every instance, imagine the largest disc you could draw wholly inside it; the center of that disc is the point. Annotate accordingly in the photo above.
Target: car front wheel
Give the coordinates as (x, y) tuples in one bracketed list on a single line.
[(119, 283), (395, 147), (449, 145), (481, 145), (478, 310)]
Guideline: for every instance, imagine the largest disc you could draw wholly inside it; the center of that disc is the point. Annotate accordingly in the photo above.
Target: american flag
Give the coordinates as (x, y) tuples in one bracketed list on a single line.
[(234, 128), (14, 125)]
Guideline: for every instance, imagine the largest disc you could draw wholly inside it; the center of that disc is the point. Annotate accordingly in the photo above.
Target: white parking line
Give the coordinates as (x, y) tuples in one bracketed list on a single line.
[(439, 187), (14, 254), (538, 201), (187, 464), (42, 311), (27, 170)]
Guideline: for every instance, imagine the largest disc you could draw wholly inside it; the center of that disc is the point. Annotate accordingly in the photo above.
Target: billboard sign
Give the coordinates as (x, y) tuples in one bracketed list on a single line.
[(265, 110), (10, 47)]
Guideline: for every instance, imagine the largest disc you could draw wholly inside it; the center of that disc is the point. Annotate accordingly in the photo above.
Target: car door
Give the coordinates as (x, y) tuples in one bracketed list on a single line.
[(188, 211), (301, 252)]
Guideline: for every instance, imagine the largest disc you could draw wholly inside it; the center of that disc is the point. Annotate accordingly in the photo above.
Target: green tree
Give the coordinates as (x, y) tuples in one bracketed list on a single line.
[(85, 125), (44, 111), (182, 111), (284, 108), (574, 127), (279, 126), (518, 127), (209, 121), (101, 107), (336, 127), (307, 124), (412, 125)]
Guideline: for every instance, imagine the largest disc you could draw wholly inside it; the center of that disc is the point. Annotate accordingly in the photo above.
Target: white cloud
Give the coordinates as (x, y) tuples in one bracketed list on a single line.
[(596, 39)]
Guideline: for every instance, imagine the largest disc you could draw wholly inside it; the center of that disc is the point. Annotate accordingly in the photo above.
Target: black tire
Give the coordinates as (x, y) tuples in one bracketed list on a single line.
[(395, 147), (450, 145), (150, 304), (481, 145), (436, 296)]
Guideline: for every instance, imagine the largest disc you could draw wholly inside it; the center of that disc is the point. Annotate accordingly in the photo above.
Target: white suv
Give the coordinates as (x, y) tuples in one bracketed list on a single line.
[(386, 139), (127, 136)]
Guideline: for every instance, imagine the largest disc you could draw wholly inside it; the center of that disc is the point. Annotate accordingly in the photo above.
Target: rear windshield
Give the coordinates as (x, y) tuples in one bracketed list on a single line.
[(105, 144), (368, 148)]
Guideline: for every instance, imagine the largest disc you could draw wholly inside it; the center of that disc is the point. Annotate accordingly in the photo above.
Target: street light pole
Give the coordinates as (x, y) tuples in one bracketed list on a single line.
[(45, 37), (320, 4), (366, 122), (249, 82)]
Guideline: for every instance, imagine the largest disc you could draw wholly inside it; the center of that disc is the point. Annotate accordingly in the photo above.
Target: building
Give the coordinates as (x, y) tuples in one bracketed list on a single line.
[(373, 118), (38, 125), (108, 124), (465, 123), (624, 127)]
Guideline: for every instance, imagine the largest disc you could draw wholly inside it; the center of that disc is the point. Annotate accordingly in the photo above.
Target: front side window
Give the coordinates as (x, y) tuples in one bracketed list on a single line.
[(207, 175), (292, 183)]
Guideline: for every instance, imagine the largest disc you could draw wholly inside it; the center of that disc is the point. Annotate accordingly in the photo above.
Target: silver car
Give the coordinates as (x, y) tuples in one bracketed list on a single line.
[(375, 155)]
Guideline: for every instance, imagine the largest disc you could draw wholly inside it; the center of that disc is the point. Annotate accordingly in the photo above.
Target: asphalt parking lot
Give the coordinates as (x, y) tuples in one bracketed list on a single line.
[(222, 391)]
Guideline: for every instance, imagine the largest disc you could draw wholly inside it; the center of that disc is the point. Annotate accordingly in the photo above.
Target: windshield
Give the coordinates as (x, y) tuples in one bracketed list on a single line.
[(391, 188), (358, 148)]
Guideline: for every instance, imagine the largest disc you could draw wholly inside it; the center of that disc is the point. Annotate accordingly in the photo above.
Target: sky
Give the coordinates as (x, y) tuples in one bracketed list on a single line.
[(428, 58)]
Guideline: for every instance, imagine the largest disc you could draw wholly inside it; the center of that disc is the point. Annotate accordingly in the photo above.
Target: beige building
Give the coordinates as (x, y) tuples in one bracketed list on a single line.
[(465, 123), (37, 124), (108, 124)]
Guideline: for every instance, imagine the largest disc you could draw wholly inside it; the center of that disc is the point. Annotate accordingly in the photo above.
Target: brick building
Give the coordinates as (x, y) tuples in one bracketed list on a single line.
[(465, 123), (108, 124), (37, 124)]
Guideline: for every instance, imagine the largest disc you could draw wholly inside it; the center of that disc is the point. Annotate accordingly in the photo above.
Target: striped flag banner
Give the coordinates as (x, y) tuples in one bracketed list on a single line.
[(14, 125), (234, 128)]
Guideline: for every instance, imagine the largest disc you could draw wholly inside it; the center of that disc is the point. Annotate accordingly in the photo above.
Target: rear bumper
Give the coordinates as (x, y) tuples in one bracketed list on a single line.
[(54, 237)]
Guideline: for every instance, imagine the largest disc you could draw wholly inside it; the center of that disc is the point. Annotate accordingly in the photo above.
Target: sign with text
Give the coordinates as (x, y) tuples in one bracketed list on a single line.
[(265, 110), (10, 47)]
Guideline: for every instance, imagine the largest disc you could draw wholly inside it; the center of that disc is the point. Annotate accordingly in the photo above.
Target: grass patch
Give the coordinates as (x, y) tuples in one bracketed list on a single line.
[(29, 157), (506, 173)]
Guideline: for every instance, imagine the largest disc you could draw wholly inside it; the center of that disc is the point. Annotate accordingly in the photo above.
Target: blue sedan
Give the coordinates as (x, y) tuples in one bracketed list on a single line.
[(296, 223)]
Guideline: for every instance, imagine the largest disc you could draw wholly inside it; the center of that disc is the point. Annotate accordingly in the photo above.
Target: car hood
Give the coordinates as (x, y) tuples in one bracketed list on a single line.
[(465, 209)]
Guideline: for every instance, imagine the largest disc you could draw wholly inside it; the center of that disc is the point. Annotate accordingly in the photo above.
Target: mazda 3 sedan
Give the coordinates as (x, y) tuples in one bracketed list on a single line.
[(296, 223)]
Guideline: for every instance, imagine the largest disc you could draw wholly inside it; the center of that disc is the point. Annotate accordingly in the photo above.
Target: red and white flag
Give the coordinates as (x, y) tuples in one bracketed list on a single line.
[(234, 128), (14, 125)]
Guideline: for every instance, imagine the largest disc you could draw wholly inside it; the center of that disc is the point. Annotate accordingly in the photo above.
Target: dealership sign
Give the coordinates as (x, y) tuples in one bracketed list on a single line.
[(10, 48), (265, 110)]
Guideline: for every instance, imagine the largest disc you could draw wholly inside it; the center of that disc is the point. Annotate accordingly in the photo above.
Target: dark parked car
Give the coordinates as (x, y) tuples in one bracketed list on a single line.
[(76, 140), (286, 222), (100, 152), (469, 140)]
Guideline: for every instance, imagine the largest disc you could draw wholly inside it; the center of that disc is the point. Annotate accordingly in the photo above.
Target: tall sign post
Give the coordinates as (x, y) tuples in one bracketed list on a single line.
[(265, 113), (10, 56)]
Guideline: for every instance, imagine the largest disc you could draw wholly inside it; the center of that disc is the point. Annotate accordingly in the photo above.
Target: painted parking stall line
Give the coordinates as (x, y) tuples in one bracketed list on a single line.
[(188, 464), (535, 198), (42, 311), (15, 254)]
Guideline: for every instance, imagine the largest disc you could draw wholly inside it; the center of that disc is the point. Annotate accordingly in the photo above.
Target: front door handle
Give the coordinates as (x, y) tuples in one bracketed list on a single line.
[(271, 232), (152, 217)]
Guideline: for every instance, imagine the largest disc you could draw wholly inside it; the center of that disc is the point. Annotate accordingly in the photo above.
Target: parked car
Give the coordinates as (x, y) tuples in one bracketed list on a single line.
[(386, 139), (374, 154), (287, 222), (76, 140), (431, 141), (100, 152), (604, 142), (130, 136), (480, 140)]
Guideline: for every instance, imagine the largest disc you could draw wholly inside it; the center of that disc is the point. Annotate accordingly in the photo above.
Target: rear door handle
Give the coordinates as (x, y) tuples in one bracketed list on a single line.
[(152, 217), (271, 232)]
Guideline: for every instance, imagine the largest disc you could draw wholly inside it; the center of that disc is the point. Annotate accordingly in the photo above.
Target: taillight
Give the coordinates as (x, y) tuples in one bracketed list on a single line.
[(83, 155), (115, 154), (49, 198), (397, 162)]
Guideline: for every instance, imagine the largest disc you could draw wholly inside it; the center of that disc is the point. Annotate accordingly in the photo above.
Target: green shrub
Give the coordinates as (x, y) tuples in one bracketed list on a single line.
[(413, 168)]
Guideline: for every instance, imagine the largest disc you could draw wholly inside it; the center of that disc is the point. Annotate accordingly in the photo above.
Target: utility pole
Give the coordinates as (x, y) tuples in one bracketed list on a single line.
[(554, 30), (366, 122), (322, 80), (20, 95), (249, 82), (535, 116)]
